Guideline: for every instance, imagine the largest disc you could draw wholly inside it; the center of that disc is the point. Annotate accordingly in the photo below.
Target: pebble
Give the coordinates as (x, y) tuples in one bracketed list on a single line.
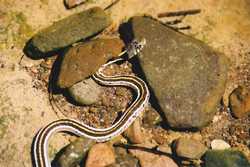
[(187, 77), (134, 133), (148, 159), (75, 152), (164, 148), (123, 159), (151, 117), (68, 31), (239, 102), (219, 144), (160, 135), (100, 155), (225, 158), (83, 60), (86, 92), (189, 148), (73, 3)]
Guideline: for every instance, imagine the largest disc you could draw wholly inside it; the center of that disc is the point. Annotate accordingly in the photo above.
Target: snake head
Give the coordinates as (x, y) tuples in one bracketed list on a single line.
[(135, 47)]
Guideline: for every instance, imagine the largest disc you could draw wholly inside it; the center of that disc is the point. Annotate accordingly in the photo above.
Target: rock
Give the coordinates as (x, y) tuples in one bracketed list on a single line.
[(148, 159), (239, 102), (160, 135), (123, 159), (83, 60), (70, 30), (225, 158), (100, 155), (85, 92), (189, 148), (218, 144), (75, 152), (164, 148), (73, 3), (151, 118), (134, 133), (186, 76)]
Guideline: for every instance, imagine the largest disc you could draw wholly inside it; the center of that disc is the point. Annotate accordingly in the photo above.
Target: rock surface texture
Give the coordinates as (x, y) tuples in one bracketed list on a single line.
[(100, 155), (227, 158), (186, 76), (75, 152), (239, 101), (189, 148), (70, 30), (148, 159), (83, 60), (85, 92)]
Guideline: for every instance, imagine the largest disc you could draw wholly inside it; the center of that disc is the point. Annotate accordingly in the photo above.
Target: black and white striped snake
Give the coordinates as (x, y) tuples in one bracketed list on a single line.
[(40, 145)]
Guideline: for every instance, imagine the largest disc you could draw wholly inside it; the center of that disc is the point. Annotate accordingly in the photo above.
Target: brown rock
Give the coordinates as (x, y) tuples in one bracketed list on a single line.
[(189, 148), (100, 155), (83, 60), (134, 133), (148, 159), (239, 102)]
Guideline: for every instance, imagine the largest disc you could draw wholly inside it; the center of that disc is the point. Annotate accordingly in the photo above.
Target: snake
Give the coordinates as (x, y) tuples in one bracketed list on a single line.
[(40, 143)]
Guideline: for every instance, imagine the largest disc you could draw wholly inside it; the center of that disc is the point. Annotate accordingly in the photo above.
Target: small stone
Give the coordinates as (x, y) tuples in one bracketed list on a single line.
[(218, 144), (100, 155), (151, 117), (225, 158), (160, 135), (68, 31), (85, 92), (134, 133), (123, 159), (73, 3), (164, 148), (187, 77), (239, 102), (75, 152), (84, 59), (189, 148), (148, 159)]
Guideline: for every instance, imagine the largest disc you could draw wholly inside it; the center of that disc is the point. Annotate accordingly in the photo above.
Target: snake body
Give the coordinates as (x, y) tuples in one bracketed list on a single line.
[(40, 145)]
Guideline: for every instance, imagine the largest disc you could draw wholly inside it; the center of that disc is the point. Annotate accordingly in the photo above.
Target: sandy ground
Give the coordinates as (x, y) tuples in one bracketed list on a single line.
[(24, 106)]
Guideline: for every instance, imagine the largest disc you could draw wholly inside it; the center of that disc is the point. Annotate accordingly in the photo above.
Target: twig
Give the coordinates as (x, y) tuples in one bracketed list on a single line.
[(180, 13), (112, 4)]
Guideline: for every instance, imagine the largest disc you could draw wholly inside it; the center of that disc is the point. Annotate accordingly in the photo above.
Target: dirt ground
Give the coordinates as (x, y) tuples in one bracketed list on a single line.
[(24, 106)]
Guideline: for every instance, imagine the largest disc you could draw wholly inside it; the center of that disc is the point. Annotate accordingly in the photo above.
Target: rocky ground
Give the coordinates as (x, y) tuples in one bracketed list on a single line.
[(25, 105)]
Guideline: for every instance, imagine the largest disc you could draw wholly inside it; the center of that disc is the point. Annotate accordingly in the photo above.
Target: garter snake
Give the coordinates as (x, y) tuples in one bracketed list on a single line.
[(40, 145)]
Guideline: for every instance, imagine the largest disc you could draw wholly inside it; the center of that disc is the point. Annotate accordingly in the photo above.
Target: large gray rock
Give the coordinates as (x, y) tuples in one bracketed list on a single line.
[(186, 76), (70, 30)]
